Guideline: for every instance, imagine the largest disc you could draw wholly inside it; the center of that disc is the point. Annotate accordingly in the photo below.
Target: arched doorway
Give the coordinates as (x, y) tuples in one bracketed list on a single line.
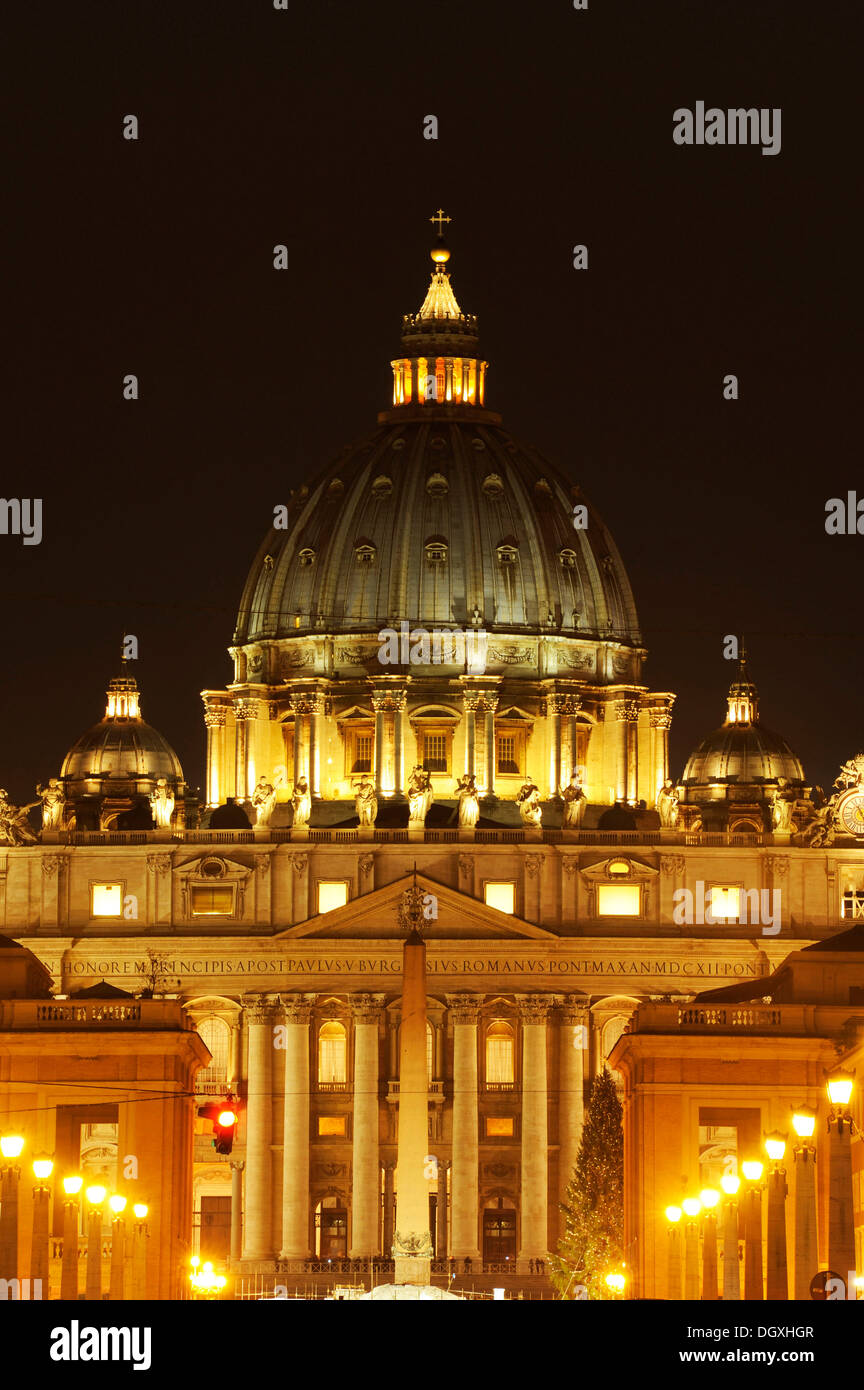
[(331, 1229), (499, 1233)]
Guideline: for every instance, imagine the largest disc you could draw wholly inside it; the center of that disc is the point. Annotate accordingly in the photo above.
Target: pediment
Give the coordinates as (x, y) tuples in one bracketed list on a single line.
[(375, 917)]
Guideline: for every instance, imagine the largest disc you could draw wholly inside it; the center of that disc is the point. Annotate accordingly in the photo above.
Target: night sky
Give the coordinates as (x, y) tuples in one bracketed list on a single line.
[(260, 127)]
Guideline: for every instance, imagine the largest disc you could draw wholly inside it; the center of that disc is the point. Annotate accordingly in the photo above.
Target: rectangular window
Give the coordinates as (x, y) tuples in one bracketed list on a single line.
[(106, 900), (359, 748), (510, 752), (499, 1126), (331, 1125), (853, 904), (618, 900), (331, 894), (217, 901), (501, 896), (724, 902), (435, 752)]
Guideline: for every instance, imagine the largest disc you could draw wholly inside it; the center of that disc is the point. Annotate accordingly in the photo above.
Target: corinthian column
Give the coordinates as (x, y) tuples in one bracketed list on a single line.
[(214, 719), (400, 704), (464, 1182), (660, 719), (470, 700), (573, 1043), (258, 1242), (490, 704), (244, 711), (534, 1009), (295, 1134), (379, 705), (316, 711), (366, 1011)]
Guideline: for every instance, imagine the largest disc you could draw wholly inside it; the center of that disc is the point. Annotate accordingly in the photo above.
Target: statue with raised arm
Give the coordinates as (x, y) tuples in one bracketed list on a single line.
[(15, 829), (263, 799), (162, 804), (419, 795), (781, 806), (574, 803), (667, 804), (365, 801), (53, 800), (528, 801), (469, 801), (301, 801)]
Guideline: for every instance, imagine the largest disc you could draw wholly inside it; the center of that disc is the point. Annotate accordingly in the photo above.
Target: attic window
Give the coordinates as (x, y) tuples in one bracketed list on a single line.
[(436, 552), (383, 486), (437, 485), (542, 487), (364, 554), (508, 554), (335, 490), (567, 559), (306, 557), (493, 486)]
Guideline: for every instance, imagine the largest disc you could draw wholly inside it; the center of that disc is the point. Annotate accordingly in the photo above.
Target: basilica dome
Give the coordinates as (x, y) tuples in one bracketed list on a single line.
[(439, 517), (122, 745), (742, 751)]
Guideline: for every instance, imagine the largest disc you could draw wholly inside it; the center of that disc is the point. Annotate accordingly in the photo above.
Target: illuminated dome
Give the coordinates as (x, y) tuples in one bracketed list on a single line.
[(439, 517), (121, 746), (742, 750)]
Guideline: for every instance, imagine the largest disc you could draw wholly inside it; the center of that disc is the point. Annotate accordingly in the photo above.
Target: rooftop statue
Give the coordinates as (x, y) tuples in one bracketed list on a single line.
[(301, 801), (528, 801), (15, 829), (365, 801), (53, 800), (469, 801)]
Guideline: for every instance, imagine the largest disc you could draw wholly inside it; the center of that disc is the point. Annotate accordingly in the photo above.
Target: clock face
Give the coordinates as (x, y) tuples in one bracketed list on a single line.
[(852, 815)]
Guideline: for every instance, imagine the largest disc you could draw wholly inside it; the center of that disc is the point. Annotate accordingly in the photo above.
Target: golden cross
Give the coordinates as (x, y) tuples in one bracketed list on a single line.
[(440, 219)]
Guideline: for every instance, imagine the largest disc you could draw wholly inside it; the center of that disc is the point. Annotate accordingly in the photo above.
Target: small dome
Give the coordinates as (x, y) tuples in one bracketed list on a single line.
[(122, 745), (742, 751)]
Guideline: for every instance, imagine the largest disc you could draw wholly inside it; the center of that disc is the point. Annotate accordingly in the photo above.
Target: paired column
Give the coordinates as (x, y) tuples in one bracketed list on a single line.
[(465, 1190), (470, 701), (366, 1011), (534, 1010), (389, 1212), (244, 712), (295, 1140), (441, 1210), (490, 704), (316, 726), (626, 765), (573, 1044), (214, 719), (557, 706), (297, 705), (258, 1232), (400, 704), (237, 1166), (379, 705), (660, 720)]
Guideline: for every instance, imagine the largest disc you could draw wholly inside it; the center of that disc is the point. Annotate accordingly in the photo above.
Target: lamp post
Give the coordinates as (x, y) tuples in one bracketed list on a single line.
[(692, 1206), (11, 1146), (777, 1275), (841, 1230), (118, 1247), (42, 1169), (804, 1156), (140, 1237), (95, 1196), (69, 1273), (731, 1273), (709, 1197), (752, 1170), (616, 1281), (673, 1258)]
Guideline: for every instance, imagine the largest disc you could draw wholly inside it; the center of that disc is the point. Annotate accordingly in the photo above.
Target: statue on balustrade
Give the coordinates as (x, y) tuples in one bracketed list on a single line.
[(469, 801), (667, 804), (162, 804), (574, 803), (302, 802), (782, 803), (15, 829), (528, 801), (419, 795), (264, 799), (365, 801), (53, 800)]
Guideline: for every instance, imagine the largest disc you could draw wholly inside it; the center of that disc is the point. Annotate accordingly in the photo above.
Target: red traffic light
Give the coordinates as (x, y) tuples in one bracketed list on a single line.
[(223, 1116)]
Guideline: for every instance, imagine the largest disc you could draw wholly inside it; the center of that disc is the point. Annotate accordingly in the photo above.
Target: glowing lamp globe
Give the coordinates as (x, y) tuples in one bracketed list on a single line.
[(72, 1186), (692, 1206), (43, 1168), (673, 1214), (775, 1146), (839, 1086), (753, 1169), (117, 1203), (615, 1281), (730, 1184), (95, 1195), (709, 1197), (804, 1121), (11, 1145)]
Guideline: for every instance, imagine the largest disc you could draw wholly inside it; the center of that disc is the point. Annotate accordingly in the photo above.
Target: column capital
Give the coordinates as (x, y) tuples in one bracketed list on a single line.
[(557, 703), (389, 699), (260, 1008), (572, 1010), (464, 1008), (660, 718), (366, 1008), (470, 701), (237, 1165), (246, 709), (215, 716), (627, 711), (297, 1007), (488, 701), (534, 1008)]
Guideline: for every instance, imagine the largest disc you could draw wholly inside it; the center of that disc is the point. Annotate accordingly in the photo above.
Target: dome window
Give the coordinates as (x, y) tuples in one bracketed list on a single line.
[(436, 551), (507, 554), (493, 486), (542, 488), (437, 485), (478, 444), (365, 553), (335, 490), (306, 557), (383, 486), (567, 559)]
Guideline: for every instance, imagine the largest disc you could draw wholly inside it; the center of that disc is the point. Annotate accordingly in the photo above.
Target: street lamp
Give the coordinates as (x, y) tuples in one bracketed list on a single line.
[(11, 1146), (752, 1170), (777, 1281), (93, 1286), (692, 1206), (709, 1197), (43, 1167), (804, 1157), (730, 1184), (140, 1236), (118, 1247), (673, 1265), (69, 1273), (616, 1283), (841, 1230)]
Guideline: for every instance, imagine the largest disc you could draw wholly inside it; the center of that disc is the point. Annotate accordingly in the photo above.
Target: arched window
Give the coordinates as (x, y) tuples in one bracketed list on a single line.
[(430, 1052), (499, 1054), (332, 1054), (216, 1035)]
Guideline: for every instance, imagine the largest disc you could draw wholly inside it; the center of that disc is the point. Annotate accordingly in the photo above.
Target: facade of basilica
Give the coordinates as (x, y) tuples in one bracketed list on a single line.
[(437, 672)]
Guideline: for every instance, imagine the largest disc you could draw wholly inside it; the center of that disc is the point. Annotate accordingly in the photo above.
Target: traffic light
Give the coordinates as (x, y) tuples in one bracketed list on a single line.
[(223, 1115)]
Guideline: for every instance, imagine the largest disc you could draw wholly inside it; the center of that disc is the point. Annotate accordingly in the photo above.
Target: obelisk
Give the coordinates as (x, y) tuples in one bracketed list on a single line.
[(412, 1243)]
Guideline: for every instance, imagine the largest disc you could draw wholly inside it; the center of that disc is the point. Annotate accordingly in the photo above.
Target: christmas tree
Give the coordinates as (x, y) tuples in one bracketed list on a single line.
[(592, 1245)]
